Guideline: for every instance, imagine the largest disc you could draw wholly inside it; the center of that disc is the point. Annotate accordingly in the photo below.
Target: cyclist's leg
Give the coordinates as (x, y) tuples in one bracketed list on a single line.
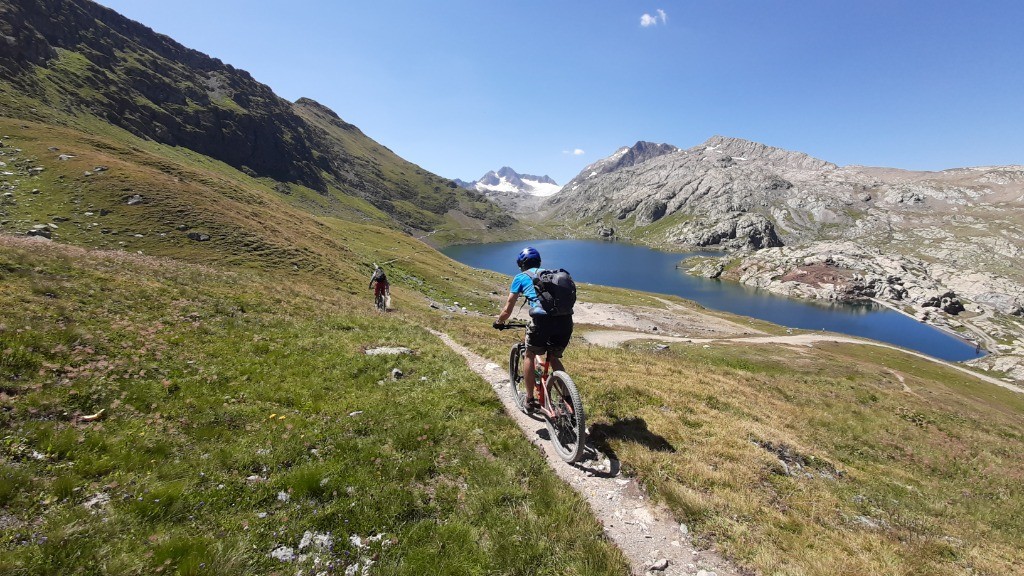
[(558, 340), (529, 364), (536, 338), (555, 362)]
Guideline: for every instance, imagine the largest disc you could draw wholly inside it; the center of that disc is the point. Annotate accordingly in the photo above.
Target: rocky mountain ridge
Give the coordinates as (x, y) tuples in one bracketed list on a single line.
[(507, 180), (519, 194), (805, 227), (72, 62)]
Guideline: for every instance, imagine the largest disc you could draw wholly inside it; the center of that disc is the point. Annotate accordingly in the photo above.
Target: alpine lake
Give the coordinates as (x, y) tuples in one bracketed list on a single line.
[(642, 268)]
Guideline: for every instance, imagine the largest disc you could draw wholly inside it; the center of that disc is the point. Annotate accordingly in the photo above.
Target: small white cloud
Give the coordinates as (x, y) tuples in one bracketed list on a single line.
[(649, 20), (574, 152)]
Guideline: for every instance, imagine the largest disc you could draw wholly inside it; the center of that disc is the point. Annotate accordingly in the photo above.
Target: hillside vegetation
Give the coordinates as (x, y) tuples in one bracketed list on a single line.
[(77, 64), (240, 414), (185, 388)]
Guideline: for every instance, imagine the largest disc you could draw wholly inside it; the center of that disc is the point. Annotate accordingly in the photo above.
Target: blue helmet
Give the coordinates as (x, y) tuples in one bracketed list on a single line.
[(528, 258)]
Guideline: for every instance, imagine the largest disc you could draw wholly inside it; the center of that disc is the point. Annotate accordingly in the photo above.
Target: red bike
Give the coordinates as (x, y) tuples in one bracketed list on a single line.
[(560, 404)]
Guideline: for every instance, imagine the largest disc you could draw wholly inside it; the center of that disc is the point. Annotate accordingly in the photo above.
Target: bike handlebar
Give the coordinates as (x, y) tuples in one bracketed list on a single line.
[(509, 325)]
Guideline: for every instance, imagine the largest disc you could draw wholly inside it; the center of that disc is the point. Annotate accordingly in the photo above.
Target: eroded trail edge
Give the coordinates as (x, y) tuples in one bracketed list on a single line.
[(647, 534)]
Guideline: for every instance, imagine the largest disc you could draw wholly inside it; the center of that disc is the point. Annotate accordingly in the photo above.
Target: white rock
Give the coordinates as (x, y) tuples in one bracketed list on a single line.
[(283, 553)]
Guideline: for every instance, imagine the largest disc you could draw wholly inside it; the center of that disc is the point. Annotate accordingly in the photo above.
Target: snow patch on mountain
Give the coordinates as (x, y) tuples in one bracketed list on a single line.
[(508, 180)]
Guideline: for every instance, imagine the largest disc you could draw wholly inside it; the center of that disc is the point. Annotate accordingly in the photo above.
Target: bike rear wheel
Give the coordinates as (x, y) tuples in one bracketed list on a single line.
[(567, 426), (516, 378)]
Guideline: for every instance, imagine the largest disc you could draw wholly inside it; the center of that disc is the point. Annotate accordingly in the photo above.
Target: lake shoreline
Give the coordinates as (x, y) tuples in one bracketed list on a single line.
[(634, 267)]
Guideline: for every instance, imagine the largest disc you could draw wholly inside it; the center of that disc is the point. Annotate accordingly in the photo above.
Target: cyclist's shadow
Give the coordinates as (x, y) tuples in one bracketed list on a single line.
[(601, 434), (598, 447)]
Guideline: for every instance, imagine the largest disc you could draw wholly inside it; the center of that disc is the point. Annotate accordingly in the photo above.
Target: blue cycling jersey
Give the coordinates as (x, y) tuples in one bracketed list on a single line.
[(523, 284)]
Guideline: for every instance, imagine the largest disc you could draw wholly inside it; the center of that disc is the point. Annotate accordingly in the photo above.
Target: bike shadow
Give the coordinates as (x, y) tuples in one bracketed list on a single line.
[(627, 430), (592, 462)]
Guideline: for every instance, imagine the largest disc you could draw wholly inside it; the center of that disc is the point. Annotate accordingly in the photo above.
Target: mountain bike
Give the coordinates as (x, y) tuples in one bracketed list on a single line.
[(561, 406), (381, 300)]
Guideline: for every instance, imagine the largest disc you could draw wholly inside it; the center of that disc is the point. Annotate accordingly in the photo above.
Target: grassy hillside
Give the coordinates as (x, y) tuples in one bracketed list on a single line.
[(789, 460), (76, 64), (171, 201), (814, 460), (240, 414), (217, 313)]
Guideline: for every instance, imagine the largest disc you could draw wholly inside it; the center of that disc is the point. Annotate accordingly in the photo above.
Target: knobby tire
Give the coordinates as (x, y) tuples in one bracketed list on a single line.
[(568, 427), (515, 376)]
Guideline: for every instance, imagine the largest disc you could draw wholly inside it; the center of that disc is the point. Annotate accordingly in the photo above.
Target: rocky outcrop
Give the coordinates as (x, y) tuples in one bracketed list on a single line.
[(848, 272), (947, 302), (740, 231), (953, 240)]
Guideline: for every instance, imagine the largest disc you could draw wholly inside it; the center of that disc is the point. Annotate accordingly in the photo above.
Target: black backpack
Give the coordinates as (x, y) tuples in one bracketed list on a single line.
[(556, 291)]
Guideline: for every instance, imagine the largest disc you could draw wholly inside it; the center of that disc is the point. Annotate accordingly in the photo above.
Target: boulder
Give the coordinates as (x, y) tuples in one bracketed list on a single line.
[(651, 211), (745, 231), (947, 302)]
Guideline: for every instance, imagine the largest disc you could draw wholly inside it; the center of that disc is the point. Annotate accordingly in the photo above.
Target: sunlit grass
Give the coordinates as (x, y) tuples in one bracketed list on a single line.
[(241, 414)]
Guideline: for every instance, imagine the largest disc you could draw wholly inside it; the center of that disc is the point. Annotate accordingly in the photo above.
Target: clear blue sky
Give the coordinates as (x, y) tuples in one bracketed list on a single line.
[(549, 86)]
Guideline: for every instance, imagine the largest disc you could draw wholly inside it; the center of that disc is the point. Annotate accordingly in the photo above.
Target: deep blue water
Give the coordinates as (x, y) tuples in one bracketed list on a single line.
[(641, 268)]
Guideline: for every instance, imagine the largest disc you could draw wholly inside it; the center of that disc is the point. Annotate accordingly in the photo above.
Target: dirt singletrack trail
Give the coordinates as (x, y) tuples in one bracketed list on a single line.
[(647, 534)]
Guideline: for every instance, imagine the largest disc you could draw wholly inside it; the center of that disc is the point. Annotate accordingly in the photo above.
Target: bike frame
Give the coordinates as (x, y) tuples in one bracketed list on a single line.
[(540, 379), (562, 410), (541, 371)]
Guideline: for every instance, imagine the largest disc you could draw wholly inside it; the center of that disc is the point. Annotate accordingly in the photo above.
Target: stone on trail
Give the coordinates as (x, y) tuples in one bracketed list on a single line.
[(396, 374), (660, 565), (491, 366)]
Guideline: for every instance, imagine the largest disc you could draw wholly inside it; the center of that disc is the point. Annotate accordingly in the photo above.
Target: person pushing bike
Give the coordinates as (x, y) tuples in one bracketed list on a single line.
[(546, 334)]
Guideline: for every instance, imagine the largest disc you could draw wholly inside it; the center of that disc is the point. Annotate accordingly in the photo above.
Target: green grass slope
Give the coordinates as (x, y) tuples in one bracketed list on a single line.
[(76, 64), (243, 418)]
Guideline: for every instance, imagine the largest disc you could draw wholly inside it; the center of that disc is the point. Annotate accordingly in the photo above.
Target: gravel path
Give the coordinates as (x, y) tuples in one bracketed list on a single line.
[(651, 539)]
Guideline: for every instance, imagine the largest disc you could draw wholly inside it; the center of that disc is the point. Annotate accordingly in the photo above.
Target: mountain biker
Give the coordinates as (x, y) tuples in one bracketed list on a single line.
[(381, 280), (546, 334)]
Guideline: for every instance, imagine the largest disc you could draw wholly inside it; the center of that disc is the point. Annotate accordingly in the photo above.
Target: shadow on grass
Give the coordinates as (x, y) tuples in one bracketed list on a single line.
[(627, 430)]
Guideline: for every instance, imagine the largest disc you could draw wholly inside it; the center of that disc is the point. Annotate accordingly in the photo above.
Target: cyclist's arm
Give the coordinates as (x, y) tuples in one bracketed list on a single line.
[(507, 310)]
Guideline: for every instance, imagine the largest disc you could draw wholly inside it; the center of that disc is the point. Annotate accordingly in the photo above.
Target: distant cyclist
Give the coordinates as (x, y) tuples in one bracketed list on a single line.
[(379, 283), (546, 334)]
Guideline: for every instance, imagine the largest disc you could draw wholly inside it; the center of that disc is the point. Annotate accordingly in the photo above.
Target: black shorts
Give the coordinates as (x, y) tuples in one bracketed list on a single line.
[(549, 335)]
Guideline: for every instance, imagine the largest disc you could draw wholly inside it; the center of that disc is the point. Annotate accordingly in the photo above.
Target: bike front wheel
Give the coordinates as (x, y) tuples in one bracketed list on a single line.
[(380, 303), (567, 423), (515, 376)]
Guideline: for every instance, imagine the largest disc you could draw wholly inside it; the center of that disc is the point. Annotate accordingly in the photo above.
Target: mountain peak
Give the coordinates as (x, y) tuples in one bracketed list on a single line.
[(749, 150), (508, 180), (627, 156), (309, 102), (323, 112)]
